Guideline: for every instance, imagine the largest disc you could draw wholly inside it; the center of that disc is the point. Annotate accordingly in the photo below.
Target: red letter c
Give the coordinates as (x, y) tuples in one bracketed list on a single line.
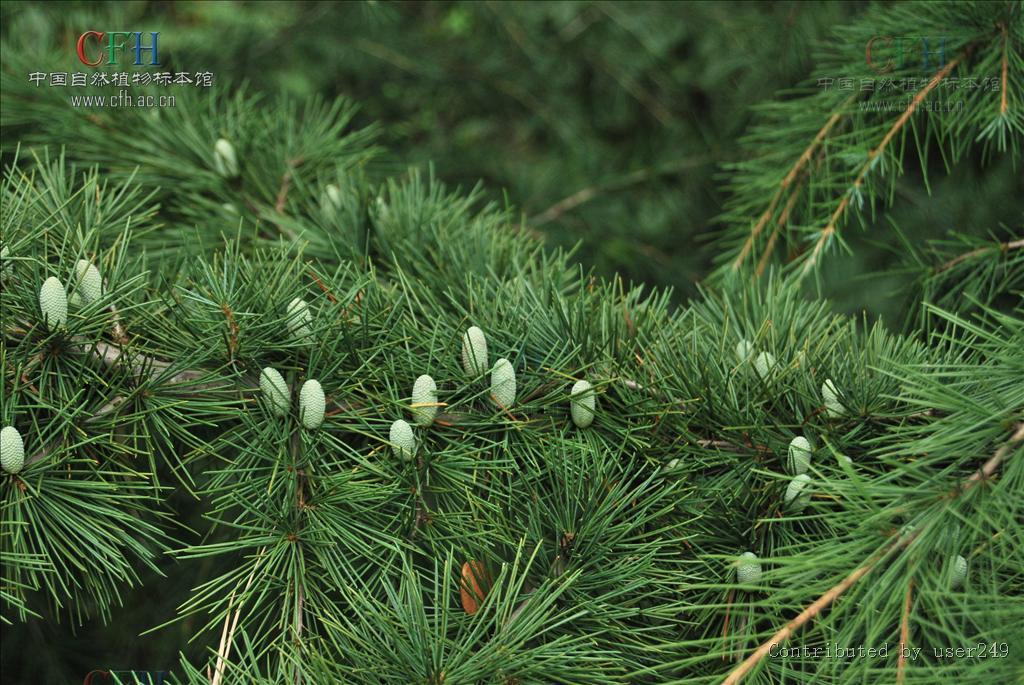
[(90, 674), (81, 48), (885, 68)]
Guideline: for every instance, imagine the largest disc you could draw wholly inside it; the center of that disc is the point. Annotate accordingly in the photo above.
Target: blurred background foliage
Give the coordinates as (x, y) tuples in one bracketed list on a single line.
[(604, 124)]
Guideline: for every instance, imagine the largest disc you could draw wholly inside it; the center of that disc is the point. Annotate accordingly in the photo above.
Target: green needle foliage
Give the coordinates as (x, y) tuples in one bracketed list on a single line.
[(281, 552)]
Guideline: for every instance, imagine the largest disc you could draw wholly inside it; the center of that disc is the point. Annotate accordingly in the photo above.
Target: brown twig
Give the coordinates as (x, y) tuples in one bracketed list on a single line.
[(227, 634), (1002, 100), (1002, 247), (858, 181), (501, 406), (807, 614), (896, 544), (117, 330), (584, 195), (901, 663), (783, 219), (286, 182), (990, 466), (232, 330), (300, 507), (717, 443), (323, 287), (787, 181)]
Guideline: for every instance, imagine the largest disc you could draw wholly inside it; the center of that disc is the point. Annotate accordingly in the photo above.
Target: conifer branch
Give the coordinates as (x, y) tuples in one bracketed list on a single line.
[(788, 180), (875, 153), (692, 459), (896, 544), (142, 365), (1002, 247)]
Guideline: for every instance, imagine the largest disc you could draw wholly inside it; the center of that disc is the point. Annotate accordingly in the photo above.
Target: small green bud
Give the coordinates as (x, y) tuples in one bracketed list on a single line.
[(12, 450), (503, 383), (798, 495), (474, 352), (583, 402), (833, 407), (53, 302), (799, 458), (311, 404), (230, 209), (402, 439), (748, 569), (332, 199), (957, 571), (88, 282), (300, 320), (3, 259), (224, 159), (744, 348), (764, 365), (275, 390), (424, 391)]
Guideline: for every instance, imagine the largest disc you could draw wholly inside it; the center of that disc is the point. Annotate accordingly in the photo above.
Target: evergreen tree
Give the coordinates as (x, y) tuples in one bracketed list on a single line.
[(217, 323)]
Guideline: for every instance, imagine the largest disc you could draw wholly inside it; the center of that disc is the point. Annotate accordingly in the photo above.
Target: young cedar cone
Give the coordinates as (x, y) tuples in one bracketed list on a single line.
[(503, 383), (764, 365), (424, 391), (799, 457), (748, 569), (332, 199), (275, 390), (224, 159), (88, 285), (53, 302), (798, 495), (311, 404), (582, 403), (957, 571), (12, 450), (830, 394), (402, 439), (300, 320), (474, 352), (474, 586), (743, 350)]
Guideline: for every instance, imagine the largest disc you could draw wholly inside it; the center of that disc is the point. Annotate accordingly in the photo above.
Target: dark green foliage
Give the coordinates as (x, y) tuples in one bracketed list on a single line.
[(276, 553)]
